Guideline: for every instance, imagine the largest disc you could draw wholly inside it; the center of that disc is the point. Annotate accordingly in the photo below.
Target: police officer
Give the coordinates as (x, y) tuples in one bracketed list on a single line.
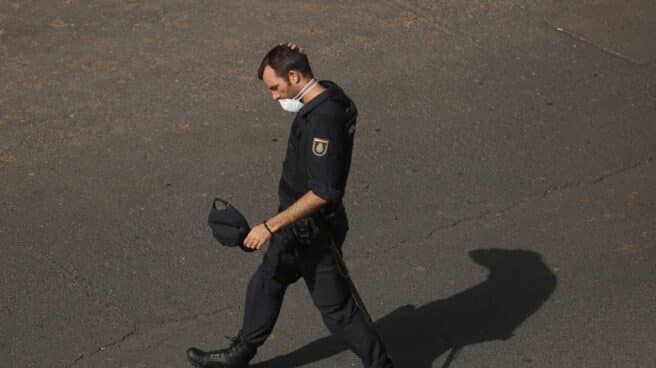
[(311, 219)]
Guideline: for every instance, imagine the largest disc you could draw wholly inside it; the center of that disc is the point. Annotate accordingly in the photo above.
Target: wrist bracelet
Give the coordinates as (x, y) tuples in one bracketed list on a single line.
[(267, 227)]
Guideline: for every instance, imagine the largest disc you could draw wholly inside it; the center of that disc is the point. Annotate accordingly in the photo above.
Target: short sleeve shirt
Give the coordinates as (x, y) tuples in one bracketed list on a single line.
[(319, 149)]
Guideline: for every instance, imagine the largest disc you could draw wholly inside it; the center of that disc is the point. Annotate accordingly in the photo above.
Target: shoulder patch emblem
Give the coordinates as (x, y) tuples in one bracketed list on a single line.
[(319, 146)]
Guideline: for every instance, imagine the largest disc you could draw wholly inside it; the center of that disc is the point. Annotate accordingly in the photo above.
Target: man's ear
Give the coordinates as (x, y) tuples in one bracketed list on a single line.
[(294, 76)]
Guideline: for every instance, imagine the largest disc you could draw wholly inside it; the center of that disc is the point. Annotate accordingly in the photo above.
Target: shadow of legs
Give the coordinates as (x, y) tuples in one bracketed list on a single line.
[(518, 283)]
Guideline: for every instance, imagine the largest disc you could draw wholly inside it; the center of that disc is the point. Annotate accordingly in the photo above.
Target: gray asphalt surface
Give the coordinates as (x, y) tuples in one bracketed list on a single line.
[(502, 197)]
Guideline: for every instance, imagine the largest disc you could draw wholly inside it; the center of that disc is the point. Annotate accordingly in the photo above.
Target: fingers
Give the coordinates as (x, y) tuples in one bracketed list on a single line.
[(256, 238), (249, 241), (252, 243), (295, 47)]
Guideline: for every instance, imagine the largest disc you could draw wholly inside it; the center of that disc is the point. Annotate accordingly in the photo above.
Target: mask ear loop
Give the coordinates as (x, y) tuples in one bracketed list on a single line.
[(305, 89), (310, 85), (301, 91)]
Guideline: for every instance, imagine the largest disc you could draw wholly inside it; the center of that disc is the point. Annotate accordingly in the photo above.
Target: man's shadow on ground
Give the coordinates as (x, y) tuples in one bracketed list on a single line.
[(517, 284)]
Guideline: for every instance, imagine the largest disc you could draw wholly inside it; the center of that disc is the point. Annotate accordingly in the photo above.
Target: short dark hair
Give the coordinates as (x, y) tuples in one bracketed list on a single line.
[(282, 59)]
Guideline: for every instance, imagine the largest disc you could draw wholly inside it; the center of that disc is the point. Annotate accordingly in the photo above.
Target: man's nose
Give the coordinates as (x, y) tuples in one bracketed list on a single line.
[(275, 96)]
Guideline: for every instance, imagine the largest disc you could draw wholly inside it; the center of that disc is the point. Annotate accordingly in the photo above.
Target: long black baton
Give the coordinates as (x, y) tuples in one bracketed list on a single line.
[(341, 266)]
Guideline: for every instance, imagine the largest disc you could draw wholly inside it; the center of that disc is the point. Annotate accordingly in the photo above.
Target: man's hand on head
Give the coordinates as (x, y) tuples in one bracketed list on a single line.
[(257, 237), (295, 47)]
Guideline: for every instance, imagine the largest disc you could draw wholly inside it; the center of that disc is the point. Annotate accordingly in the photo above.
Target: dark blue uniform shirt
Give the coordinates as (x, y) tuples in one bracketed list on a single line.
[(319, 149)]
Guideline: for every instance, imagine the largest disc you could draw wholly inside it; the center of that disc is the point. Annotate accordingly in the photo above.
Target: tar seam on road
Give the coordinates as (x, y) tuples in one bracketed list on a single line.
[(588, 42)]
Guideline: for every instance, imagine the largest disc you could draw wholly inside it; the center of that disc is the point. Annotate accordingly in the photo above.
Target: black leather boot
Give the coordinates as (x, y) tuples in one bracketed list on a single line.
[(237, 355)]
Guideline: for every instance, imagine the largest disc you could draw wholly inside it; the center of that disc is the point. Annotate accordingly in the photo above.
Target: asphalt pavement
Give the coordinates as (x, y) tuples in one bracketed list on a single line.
[(502, 195)]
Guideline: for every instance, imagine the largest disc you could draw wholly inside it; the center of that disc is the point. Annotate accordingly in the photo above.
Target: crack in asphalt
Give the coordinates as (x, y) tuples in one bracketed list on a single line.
[(550, 190), (535, 197), (119, 341), (622, 170), (480, 216), (73, 275), (133, 332), (160, 323), (538, 196), (597, 180)]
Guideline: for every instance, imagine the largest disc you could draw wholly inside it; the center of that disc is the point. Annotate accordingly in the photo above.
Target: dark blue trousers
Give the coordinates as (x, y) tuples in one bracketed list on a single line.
[(286, 260)]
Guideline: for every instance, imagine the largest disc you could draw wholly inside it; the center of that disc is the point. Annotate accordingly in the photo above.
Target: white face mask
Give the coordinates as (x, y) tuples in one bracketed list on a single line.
[(294, 104)]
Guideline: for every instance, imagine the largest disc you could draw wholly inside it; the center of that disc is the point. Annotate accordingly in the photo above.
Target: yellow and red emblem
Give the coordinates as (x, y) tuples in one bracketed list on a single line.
[(319, 146)]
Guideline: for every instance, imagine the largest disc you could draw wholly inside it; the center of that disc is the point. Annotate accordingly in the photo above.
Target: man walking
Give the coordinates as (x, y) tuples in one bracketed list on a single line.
[(307, 233)]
